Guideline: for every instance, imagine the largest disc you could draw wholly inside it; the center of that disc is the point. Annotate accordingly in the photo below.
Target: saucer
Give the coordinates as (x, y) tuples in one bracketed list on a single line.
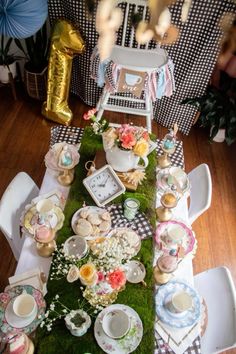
[(126, 344), (128, 239), (185, 319), (9, 322)]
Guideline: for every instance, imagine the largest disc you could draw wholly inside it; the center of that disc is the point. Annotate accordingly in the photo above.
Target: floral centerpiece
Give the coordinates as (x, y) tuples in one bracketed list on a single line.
[(127, 137)]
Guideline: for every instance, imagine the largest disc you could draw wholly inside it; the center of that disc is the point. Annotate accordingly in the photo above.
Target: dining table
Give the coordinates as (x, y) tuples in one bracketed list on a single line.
[(157, 336)]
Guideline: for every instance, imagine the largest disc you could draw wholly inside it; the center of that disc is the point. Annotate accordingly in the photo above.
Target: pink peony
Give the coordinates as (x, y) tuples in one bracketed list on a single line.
[(116, 279)]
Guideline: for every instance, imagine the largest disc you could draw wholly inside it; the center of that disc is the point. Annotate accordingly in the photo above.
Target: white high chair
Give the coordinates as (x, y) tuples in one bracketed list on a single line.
[(128, 54)]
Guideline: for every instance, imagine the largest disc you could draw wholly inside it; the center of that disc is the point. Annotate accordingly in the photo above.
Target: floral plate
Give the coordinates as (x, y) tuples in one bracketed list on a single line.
[(188, 242), (9, 322), (90, 209), (164, 185), (124, 345), (31, 219), (185, 319)]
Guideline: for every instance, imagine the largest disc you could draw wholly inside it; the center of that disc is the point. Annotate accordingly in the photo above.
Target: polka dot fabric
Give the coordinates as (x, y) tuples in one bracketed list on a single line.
[(194, 55)]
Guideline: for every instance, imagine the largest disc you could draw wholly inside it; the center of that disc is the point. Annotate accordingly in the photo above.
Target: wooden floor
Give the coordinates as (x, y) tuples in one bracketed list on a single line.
[(24, 141)]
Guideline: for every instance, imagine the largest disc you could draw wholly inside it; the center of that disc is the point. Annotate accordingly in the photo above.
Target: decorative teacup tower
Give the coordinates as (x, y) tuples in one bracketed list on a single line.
[(63, 157), (168, 147)]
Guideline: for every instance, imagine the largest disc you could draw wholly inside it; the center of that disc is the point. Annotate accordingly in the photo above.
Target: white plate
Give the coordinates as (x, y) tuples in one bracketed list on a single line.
[(92, 208), (124, 345), (15, 321)]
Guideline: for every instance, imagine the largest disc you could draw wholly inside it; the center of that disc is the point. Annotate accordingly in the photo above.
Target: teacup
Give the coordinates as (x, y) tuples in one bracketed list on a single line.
[(180, 302), (174, 235), (24, 305), (132, 80), (116, 323)]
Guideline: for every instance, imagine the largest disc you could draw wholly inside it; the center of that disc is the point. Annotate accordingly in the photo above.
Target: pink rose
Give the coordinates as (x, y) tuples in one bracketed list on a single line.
[(128, 141), (90, 114), (116, 279), (4, 298)]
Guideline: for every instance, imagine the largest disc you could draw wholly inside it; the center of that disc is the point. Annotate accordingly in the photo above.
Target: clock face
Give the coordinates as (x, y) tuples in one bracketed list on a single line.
[(104, 185)]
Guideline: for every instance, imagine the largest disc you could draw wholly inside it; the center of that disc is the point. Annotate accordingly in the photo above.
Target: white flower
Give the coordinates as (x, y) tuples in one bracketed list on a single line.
[(57, 296), (52, 307)]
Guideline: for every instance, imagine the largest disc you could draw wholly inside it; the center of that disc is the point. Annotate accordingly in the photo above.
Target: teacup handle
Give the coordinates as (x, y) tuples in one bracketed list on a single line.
[(145, 160)]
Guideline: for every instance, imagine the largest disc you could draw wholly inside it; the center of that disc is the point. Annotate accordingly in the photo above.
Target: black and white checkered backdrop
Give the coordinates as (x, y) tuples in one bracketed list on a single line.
[(194, 55)]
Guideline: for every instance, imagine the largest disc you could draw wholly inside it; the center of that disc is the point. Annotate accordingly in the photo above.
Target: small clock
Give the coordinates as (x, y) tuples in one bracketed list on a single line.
[(104, 185)]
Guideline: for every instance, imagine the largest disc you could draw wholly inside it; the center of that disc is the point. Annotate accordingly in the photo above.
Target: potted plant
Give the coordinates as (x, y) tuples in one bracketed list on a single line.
[(217, 109), (78, 322), (35, 70), (7, 61)]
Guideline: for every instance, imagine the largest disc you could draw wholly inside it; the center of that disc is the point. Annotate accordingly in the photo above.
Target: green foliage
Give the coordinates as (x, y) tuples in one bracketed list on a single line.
[(6, 59), (217, 108), (37, 49), (137, 296)]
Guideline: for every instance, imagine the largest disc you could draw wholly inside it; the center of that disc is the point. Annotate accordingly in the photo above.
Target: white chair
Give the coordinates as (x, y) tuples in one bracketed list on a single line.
[(17, 195), (200, 192), (217, 289), (128, 54)]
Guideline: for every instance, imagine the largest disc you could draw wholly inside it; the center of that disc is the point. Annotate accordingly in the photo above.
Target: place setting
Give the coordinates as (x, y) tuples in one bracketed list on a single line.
[(179, 313), (118, 329), (22, 309)]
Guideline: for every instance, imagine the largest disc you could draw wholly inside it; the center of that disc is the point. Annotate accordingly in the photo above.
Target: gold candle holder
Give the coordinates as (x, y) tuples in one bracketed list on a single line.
[(166, 265), (66, 177), (164, 160), (46, 249), (168, 201)]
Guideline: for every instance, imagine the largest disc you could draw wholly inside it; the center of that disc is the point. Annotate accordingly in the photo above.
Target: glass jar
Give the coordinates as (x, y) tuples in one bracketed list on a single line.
[(131, 206)]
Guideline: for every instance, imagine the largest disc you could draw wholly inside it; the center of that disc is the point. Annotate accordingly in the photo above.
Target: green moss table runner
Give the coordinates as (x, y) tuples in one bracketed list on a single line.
[(137, 296)]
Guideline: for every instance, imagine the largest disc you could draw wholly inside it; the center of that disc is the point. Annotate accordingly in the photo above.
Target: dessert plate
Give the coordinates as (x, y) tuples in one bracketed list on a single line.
[(91, 215), (9, 322), (188, 241), (172, 178), (185, 319), (126, 344)]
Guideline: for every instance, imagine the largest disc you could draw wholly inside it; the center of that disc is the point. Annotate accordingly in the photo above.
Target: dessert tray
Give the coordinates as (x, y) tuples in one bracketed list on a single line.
[(172, 178), (9, 322), (126, 344), (129, 241), (187, 243), (180, 320), (91, 222), (31, 219)]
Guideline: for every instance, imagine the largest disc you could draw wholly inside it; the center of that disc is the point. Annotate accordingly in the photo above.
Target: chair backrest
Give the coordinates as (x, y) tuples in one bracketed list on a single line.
[(126, 33), (200, 192), (17, 195), (217, 289)]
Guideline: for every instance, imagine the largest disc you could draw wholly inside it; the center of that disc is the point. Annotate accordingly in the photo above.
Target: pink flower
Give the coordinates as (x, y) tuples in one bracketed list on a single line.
[(90, 114), (116, 279), (100, 277), (4, 298), (145, 135), (128, 141)]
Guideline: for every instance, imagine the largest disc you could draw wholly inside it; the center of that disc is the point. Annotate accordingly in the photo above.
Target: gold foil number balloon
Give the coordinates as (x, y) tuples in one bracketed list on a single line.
[(65, 42)]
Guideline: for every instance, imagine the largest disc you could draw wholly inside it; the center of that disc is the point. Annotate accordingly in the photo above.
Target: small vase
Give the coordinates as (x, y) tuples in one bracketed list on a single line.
[(77, 329), (124, 160)]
